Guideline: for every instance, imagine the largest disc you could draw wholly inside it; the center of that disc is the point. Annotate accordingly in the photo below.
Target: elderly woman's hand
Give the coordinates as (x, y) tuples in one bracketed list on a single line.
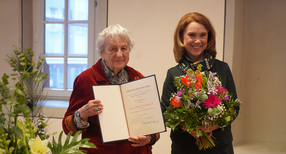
[(139, 140), (93, 107)]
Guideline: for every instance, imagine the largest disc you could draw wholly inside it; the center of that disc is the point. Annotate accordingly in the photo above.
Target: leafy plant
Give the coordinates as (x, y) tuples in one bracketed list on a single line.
[(30, 75), (15, 133), (70, 147), (21, 119)]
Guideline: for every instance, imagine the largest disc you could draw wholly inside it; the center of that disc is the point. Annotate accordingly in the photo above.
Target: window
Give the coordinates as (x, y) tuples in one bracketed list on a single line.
[(65, 33), (65, 41)]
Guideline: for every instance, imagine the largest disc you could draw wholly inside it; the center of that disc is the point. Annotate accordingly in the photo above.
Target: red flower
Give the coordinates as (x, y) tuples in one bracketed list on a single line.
[(198, 85), (199, 78), (175, 102), (212, 101), (186, 80)]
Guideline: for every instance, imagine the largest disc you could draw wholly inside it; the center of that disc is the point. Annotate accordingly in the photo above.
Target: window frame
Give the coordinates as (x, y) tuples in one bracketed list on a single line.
[(97, 21)]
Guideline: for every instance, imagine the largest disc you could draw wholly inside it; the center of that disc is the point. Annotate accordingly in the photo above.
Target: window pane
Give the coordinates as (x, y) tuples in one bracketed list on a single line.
[(75, 67), (55, 10), (54, 39), (55, 69), (78, 9), (77, 41)]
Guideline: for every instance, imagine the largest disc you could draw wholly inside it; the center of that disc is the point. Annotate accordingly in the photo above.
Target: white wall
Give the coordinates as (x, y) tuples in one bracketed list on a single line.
[(152, 24)]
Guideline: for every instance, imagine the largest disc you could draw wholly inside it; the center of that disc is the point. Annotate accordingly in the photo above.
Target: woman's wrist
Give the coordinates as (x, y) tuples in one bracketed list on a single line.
[(152, 139), (82, 114), (79, 123)]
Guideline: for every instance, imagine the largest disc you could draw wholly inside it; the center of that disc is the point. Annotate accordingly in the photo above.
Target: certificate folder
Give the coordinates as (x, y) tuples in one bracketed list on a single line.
[(129, 109)]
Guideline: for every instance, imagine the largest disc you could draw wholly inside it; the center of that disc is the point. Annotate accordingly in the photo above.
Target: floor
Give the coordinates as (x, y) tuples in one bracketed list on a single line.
[(260, 148)]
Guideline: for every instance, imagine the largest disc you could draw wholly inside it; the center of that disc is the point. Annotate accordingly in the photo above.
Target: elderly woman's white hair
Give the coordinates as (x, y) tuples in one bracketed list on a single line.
[(113, 31)]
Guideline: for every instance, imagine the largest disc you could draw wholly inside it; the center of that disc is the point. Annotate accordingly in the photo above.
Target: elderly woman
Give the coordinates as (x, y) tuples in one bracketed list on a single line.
[(114, 44), (194, 43)]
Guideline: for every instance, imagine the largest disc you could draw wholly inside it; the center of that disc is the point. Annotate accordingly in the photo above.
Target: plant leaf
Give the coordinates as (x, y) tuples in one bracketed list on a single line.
[(72, 147), (16, 130)]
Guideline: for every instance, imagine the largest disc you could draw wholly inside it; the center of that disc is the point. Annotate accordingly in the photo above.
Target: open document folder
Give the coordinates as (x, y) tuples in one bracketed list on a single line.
[(130, 109)]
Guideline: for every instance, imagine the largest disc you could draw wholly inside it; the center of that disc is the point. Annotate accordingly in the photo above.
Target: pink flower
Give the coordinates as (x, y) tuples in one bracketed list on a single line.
[(212, 101), (226, 97), (180, 92), (221, 90)]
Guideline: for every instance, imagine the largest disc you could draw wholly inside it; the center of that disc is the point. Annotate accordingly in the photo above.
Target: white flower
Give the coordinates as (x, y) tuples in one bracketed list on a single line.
[(38, 146)]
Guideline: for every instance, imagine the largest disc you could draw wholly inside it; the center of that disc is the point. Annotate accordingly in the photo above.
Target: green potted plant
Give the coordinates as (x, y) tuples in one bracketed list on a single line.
[(22, 124)]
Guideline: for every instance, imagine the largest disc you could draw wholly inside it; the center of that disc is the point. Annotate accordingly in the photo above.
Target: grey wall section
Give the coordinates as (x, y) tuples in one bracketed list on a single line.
[(27, 21), (233, 55), (10, 31), (264, 75), (16, 28), (258, 63)]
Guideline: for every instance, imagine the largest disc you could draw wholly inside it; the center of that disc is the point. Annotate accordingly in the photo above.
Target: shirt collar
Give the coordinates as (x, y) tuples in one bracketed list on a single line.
[(121, 77)]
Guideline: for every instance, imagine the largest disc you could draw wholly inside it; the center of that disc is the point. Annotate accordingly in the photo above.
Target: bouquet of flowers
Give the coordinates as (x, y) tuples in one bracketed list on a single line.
[(200, 103)]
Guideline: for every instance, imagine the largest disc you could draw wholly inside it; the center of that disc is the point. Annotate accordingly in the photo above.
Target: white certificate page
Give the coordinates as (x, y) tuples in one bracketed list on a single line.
[(142, 107), (112, 119)]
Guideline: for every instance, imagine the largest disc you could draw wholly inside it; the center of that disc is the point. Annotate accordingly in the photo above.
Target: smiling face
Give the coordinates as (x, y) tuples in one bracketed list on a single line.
[(195, 40), (115, 54)]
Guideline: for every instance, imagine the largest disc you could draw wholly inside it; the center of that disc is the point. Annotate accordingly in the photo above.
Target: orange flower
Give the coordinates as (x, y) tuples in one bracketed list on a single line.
[(186, 80), (175, 102), (199, 78), (198, 85)]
